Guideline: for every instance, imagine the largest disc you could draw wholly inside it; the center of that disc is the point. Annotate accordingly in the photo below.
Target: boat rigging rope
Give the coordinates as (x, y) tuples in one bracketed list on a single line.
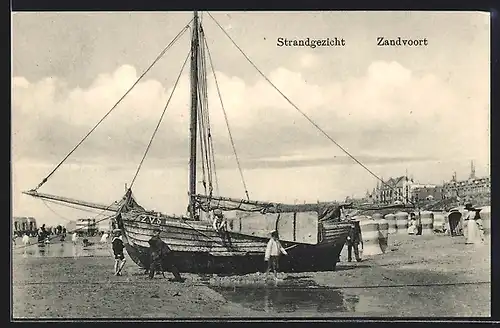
[(59, 215), (206, 142), (202, 104), (70, 206), (226, 119), (50, 209), (205, 117), (299, 110), (159, 122), (116, 104)]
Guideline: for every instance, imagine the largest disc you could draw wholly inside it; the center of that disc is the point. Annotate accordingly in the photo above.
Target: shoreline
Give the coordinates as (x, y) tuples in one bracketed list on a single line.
[(84, 287)]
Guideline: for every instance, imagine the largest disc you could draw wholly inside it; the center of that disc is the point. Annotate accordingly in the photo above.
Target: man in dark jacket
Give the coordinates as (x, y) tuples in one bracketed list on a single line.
[(118, 247), (161, 257), (353, 240), (42, 234)]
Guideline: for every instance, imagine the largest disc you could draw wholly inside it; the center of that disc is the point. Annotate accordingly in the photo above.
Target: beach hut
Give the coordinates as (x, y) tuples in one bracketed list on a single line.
[(455, 219), (402, 222), (370, 236), (24, 225), (440, 222), (391, 220), (427, 221), (486, 217)]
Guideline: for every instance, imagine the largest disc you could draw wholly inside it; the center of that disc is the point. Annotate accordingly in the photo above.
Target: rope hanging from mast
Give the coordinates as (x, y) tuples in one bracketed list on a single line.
[(159, 121), (176, 38), (45, 201), (203, 121), (226, 120), (299, 110)]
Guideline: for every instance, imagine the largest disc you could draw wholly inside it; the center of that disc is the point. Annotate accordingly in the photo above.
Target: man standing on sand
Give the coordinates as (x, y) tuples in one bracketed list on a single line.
[(160, 253), (118, 247), (353, 240), (42, 234), (418, 221), (273, 251)]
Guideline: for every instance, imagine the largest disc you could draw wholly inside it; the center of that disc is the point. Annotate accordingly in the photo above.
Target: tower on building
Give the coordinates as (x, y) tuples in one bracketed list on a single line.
[(472, 171)]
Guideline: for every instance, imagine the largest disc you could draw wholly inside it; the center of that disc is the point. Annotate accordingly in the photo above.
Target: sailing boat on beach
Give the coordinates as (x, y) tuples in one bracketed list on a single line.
[(221, 234)]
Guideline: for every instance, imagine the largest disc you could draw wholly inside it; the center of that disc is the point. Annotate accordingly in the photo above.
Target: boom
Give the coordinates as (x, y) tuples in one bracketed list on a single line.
[(112, 208)]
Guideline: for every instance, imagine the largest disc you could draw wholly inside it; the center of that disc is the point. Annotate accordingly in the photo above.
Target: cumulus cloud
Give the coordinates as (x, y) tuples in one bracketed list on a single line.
[(388, 112), (390, 118)]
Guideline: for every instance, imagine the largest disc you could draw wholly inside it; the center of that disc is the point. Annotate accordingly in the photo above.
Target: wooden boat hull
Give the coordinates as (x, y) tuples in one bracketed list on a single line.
[(198, 248), (303, 259)]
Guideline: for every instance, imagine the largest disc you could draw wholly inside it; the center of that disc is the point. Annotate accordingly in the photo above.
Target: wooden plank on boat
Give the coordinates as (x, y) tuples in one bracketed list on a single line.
[(227, 253), (300, 227), (286, 227), (190, 234), (253, 223), (157, 221), (307, 228), (202, 249), (172, 241)]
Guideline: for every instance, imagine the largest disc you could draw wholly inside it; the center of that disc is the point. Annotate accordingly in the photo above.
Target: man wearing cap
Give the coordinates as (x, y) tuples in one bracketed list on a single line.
[(161, 254), (273, 251), (474, 223), (118, 247)]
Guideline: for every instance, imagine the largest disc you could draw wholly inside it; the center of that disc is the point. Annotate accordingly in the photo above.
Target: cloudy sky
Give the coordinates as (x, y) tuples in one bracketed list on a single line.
[(424, 109)]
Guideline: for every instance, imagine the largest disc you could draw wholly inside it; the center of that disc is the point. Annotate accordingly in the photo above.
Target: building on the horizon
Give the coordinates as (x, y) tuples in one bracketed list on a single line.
[(22, 225), (471, 188), (86, 227), (406, 190)]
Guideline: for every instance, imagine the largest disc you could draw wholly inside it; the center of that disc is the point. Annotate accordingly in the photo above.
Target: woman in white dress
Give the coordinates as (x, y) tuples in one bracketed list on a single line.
[(74, 238), (475, 233), (412, 225), (104, 237)]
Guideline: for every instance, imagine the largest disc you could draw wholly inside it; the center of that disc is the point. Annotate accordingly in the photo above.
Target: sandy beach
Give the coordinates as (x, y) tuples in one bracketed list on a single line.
[(418, 276)]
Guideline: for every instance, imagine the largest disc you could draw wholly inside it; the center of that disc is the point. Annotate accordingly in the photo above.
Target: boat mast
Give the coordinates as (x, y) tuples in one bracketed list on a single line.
[(194, 115)]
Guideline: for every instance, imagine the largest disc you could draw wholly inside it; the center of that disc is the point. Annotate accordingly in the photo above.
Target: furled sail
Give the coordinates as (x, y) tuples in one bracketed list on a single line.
[(325, 210)]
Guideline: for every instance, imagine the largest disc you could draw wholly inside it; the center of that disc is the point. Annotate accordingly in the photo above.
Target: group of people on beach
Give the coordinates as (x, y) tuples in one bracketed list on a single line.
[(471, 227)]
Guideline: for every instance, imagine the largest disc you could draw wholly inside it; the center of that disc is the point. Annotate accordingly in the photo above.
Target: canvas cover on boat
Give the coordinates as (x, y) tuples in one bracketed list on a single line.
[(324, 211), (294, 223)]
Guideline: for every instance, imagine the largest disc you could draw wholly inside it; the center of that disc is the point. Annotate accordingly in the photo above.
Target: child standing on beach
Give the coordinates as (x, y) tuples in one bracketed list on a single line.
[(273, 251), (118, 247)]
